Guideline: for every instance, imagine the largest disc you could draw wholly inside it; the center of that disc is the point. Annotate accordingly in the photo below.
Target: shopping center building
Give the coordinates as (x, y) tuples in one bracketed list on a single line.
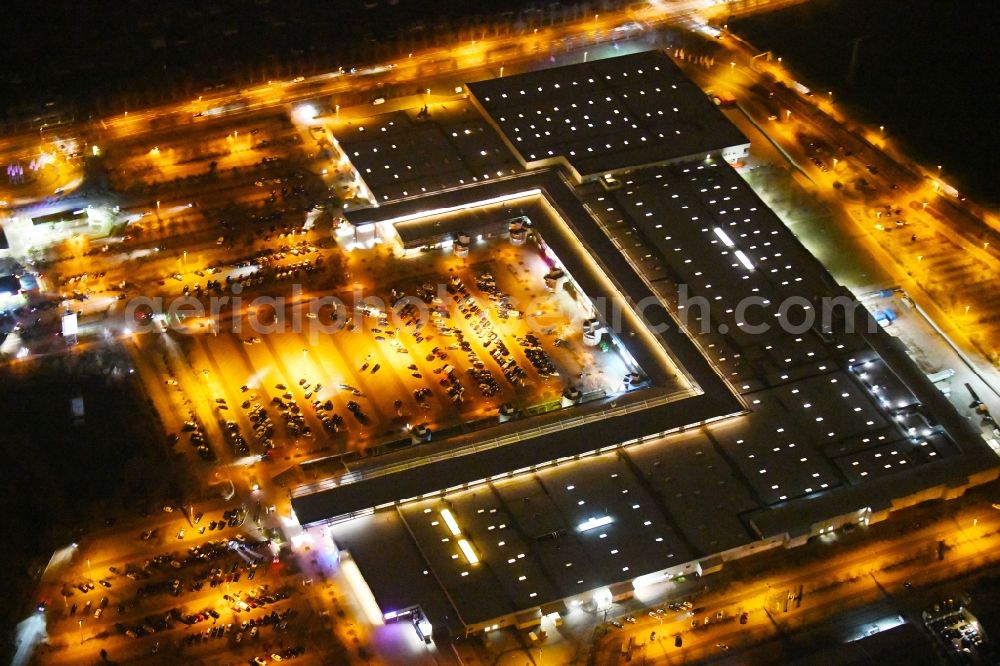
[(798, 416)]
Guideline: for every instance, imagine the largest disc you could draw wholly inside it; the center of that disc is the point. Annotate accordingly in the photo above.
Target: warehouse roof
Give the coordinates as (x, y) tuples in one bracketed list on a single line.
[(606, 115)]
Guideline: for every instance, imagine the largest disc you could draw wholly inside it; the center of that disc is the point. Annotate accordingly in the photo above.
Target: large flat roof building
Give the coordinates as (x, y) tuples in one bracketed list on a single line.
[(403, 154), (607, 116), (797, 414)]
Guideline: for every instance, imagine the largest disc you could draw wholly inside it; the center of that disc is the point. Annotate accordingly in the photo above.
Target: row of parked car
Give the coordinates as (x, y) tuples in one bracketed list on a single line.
[(287, 653)]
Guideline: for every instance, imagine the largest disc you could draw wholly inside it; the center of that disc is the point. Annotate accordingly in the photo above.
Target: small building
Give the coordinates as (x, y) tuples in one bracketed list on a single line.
[(64, 218), (444, 231)]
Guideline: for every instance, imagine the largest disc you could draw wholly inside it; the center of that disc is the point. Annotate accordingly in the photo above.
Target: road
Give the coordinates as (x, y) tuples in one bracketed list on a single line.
[(812, 590), (501, 49)]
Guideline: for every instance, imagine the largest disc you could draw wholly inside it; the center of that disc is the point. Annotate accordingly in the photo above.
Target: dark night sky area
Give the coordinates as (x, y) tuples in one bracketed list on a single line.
[(94, 50), (925, 69)]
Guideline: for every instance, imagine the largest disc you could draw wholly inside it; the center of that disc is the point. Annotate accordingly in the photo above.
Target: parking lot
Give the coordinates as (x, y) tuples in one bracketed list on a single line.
[(220, 149), (174, 595), (468, 336)]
